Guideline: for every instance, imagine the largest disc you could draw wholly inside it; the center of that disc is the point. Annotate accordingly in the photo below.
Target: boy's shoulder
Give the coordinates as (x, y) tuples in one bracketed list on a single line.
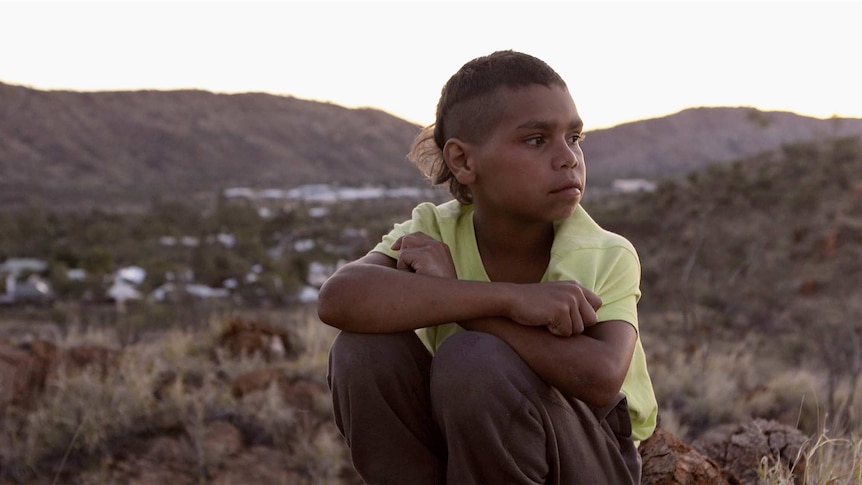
[(447, 210), (439, 219), (581, 231)]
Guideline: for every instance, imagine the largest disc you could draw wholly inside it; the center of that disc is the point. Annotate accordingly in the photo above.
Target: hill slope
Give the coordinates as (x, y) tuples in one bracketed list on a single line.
[(756, 240), (763, 254), (71, 149), (691, 139)]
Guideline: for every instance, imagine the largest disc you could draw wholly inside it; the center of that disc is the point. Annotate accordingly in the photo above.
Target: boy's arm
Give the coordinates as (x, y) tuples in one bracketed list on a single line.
[(370, 295), (591, 366), (586, 361), (377, 294)]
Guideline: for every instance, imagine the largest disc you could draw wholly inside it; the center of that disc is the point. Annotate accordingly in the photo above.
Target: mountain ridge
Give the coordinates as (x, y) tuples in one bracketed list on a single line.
[(127, 148)]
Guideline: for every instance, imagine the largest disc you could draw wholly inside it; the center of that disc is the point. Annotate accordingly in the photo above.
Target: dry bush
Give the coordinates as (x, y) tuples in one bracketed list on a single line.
[(703, 380), (176, 386)]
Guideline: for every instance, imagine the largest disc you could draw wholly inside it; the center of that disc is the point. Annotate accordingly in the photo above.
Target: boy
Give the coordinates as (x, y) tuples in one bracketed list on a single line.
[(525, 306)]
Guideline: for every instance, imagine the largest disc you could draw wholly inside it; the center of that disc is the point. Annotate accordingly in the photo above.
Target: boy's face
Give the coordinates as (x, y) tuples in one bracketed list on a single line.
[(530, 165)]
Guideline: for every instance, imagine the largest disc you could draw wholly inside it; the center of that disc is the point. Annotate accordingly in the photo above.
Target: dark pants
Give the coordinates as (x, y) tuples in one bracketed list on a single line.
[(475, 413)]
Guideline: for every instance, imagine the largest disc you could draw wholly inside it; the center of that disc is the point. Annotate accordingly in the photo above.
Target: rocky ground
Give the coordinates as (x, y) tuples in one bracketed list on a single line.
[(248, 405)]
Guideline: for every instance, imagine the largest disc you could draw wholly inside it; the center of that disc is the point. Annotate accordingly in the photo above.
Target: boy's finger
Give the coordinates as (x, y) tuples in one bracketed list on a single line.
[(588, 315), (561, 329), (405, 261), (593, 299)]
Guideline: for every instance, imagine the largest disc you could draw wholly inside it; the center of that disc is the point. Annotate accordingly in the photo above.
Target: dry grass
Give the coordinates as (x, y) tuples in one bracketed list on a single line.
[(703, 380), (81, 419), (84, 417), (827, 461)]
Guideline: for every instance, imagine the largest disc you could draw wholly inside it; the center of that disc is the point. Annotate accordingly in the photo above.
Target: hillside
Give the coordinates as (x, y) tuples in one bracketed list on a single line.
[(750, 275), (129, 147), (72, 149), (750, 310), (694, 138), (783, 223)]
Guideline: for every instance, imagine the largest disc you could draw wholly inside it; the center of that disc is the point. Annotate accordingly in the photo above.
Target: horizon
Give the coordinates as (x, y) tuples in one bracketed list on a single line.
[(167, 90), (623, 61)]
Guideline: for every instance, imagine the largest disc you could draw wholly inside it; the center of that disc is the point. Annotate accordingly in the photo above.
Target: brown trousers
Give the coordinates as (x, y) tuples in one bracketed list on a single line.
[(475, 413)]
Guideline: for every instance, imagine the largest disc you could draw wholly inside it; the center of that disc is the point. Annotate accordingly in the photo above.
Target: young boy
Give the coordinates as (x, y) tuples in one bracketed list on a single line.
[(487, 340)]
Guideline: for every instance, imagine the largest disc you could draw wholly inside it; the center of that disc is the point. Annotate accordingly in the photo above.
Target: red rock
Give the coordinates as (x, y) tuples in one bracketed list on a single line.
[(669, 461)]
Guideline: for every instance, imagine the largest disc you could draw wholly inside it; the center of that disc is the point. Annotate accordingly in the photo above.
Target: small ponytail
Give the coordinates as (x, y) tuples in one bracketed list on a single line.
[(427, 155)]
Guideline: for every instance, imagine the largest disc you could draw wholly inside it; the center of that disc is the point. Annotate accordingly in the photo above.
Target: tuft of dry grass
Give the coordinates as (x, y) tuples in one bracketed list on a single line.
[(706, 380), (823, 461)]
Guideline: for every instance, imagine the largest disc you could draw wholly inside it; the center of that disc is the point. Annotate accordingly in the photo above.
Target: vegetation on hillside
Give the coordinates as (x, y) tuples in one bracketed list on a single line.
[(229, 241), (72, 150), (751, 309), (88, 149), (759, 260)]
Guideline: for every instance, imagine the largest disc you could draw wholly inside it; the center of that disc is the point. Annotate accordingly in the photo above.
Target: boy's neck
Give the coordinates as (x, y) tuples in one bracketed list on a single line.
[(513, 251)]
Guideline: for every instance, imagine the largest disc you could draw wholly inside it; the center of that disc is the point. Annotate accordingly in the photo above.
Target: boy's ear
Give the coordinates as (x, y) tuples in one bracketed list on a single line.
[(457, 155)]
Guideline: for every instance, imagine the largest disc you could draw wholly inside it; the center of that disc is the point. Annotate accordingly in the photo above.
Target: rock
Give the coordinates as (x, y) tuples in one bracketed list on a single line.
[(258, 464), (296, 391), (93, 358), (22, 375), (669, 461), (191, 381), (249, 338), (221, 440), (256, 380), (26, 368), (739, 448), (304, 394)]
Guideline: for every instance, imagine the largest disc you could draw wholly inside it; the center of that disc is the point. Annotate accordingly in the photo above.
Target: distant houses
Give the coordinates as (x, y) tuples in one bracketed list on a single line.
[(23, 282), (318, 196), (19, 266), (325, 194), (26, 280), (124, 284), (634, 185)]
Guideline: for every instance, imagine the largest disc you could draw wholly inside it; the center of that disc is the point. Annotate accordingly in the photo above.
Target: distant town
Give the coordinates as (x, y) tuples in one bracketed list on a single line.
[(319, 248)]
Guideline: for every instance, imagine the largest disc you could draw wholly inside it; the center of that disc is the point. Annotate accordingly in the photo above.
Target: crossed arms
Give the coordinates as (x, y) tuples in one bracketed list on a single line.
[(551, 325)]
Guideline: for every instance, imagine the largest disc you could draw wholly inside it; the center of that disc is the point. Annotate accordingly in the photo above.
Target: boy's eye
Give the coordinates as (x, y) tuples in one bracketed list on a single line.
[(574, 139), (536, 140)]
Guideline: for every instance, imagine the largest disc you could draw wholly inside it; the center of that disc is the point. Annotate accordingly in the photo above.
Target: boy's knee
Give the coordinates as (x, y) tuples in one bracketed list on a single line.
[(471, 368), (355, 355), (474, 354)]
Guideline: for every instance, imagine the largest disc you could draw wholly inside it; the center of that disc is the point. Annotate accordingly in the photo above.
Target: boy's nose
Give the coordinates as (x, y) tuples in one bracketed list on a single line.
[(568, 156)]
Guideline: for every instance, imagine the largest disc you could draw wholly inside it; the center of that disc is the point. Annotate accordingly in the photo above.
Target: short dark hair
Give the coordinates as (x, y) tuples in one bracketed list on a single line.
[(468, 109)]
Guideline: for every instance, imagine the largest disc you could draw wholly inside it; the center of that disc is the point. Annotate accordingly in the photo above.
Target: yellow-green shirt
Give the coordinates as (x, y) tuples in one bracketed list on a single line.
[(604, 262)]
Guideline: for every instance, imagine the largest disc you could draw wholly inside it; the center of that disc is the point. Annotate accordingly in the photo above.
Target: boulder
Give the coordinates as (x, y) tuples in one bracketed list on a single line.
[(739, 448), (22, 375), (669, 461), (26, 368), (241, 337)]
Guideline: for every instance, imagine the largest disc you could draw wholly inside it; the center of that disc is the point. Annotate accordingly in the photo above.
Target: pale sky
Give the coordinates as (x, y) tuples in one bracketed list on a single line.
[(623, 61)]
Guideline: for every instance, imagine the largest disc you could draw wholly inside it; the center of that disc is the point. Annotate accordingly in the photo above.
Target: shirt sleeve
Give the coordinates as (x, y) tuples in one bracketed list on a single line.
[(619, 286), (424, 218), (612, 272), (385, 245)]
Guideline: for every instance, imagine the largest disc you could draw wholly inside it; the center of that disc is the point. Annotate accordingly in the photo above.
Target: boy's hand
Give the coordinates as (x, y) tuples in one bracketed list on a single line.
[(420, 253), (565, 307)]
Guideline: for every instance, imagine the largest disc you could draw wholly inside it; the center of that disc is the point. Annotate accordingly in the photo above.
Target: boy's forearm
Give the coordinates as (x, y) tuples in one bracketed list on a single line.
[(590, 366), (369, 298)]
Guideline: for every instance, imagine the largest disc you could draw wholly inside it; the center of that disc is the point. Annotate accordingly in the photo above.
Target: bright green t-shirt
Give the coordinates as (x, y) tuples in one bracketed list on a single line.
[(604, 262)]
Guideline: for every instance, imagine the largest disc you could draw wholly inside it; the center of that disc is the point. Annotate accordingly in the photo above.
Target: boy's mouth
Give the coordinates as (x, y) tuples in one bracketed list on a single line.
[(570, 187)]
